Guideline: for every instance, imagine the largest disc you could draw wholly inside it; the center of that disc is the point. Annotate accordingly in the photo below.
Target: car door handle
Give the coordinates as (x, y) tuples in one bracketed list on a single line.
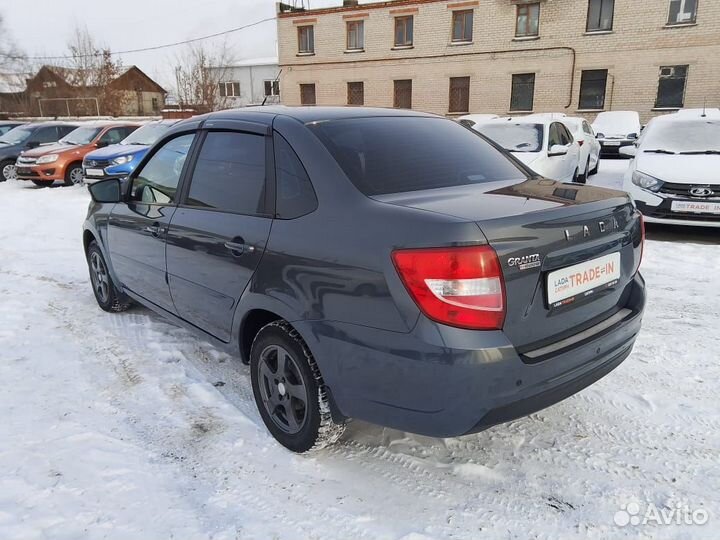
[(238, 248), (155, 229)]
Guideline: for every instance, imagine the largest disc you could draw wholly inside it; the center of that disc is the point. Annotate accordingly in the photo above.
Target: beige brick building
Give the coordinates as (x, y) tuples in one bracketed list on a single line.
[(504, 56)]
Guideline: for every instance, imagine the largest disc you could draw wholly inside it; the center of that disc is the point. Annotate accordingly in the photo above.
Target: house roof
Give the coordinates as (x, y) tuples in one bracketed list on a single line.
[(75, 76)]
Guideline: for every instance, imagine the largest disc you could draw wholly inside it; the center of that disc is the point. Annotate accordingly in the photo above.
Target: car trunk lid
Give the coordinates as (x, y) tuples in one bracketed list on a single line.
[(540, 230)]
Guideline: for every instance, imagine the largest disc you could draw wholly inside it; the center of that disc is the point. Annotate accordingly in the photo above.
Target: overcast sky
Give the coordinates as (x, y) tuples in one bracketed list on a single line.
[(44, 27)]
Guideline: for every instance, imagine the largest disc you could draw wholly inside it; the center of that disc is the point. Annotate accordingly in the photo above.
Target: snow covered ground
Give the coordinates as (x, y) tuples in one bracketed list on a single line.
[(126, 427)]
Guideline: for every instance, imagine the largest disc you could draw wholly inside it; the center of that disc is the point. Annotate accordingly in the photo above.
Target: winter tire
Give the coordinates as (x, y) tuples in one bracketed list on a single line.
[(289, 390), (74, 175), (7, 170), (108, 297)]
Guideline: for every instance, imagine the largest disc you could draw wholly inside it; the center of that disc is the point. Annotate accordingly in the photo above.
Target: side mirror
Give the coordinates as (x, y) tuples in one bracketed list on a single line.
[(557, 150), (106, 191), (101, 144), (633, 136), (32, 144), (629, 151)]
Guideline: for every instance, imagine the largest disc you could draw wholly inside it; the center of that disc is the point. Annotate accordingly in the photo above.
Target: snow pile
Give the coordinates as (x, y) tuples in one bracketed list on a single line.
[(116, 426)]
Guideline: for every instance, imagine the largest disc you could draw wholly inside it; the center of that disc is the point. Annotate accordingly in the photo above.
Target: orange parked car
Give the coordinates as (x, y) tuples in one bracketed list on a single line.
[(63, 160)]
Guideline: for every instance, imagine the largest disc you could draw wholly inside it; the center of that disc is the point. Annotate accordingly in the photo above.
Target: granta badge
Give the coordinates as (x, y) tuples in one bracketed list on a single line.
[(525, 263)]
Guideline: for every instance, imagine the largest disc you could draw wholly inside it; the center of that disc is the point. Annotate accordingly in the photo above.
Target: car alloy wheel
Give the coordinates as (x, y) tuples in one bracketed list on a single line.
[(76, 176), (99, 276), (9, 172), (283, 390)]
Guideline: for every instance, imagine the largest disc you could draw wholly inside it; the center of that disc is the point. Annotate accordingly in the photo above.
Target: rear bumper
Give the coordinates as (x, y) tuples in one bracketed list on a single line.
[(445, 382)]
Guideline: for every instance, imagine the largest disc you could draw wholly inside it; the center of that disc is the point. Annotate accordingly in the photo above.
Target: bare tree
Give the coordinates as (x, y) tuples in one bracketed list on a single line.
[(199, 69), (92, 69), (15, 68)]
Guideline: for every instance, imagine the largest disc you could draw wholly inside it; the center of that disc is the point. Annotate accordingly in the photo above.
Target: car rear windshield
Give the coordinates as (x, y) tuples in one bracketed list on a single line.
[(686, 137), (147, 134), (81, 135), (514, 137), (397, 154)]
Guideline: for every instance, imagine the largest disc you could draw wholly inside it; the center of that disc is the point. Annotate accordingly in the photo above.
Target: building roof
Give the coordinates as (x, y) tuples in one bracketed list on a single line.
[(289, 11), (266, 61)]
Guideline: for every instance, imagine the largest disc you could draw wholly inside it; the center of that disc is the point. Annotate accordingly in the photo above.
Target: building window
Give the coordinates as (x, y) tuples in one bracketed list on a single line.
[(272, 88), (671, 87), (592, 89), (402, 94), (307, 94), (355, 93), (527, 23), (404, 31), (306, 39), (523, 92), (600, 15), (229, 89), (682, 12), (462, 29), (459, 101), (355, 35)]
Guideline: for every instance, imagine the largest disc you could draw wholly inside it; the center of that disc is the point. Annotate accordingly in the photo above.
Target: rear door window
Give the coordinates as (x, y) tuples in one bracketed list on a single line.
[(554, 136), (397, 154), (229, 173)]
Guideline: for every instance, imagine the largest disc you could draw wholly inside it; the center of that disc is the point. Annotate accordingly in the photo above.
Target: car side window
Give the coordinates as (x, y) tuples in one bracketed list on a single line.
[(553, 136), (158, 180), (587, 129), (295, 194), (64, 130), (229, 173), (45, 135), (113, 136), (565, 135)]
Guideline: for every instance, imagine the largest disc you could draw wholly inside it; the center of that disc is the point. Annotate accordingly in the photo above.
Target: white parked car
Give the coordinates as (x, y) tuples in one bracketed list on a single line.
[(584, 136), (543, 144), (674, 174), (615, 130), (470, 120)]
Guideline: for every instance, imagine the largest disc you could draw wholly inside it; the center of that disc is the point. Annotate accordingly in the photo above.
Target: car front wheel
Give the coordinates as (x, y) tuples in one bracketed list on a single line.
[(108, 297), (7, 170), (74, 175), (289, 390)]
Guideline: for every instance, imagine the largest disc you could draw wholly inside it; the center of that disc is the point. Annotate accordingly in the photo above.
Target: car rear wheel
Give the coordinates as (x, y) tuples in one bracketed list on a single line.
[(582, 178), (74, 175), (594, 171), (7, 170), (289, 390), (108, 297)]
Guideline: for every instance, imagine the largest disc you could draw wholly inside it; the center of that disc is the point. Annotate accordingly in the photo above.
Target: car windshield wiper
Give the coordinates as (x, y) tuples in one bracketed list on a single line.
[(659, 151), (701, 152)]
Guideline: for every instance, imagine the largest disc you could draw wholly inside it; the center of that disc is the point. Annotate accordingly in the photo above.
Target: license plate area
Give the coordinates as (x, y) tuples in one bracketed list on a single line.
[(573, 283), (94, 172), (696, 207), (611, 143)]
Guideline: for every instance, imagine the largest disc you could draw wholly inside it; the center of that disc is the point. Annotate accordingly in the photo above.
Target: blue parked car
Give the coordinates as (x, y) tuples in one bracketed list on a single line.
[(119, 160)]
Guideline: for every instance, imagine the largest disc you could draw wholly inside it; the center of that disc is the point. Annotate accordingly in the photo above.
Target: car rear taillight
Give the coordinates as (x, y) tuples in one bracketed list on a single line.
[(460, 287)]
